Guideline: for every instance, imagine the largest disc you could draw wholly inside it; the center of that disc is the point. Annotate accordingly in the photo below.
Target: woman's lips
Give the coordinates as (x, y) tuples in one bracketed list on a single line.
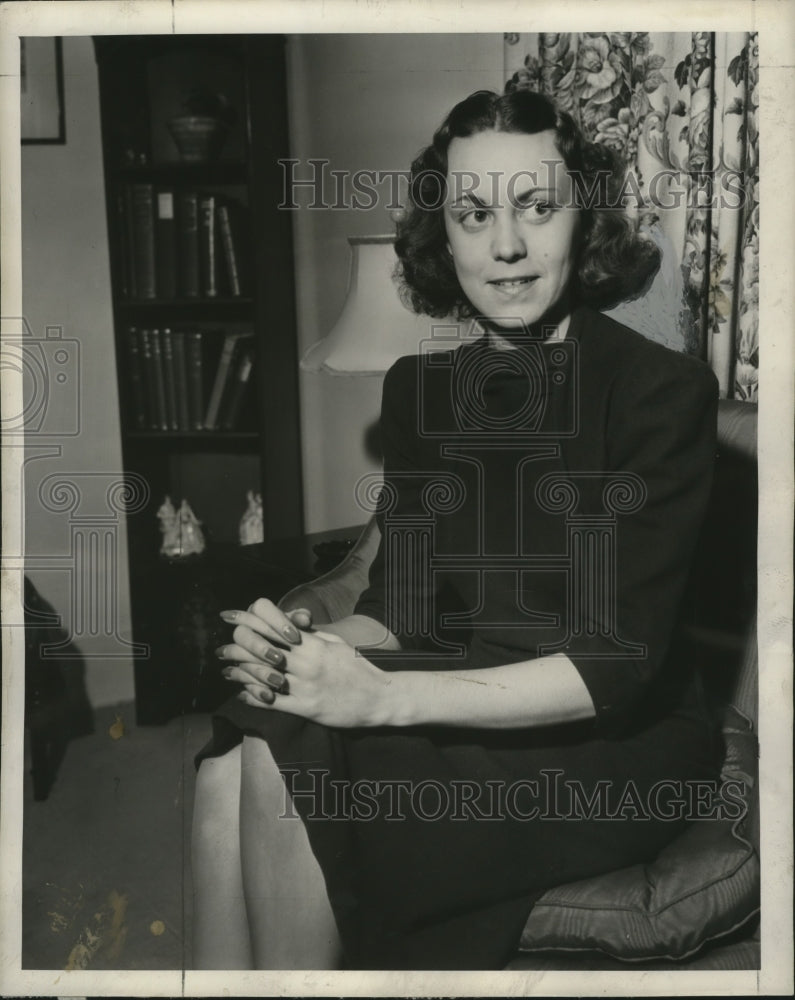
[(509, 285)]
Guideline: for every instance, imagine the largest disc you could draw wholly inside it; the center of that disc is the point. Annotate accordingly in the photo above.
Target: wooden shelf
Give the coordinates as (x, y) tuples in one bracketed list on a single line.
[(161, 312), (185, 174), (213, 439)]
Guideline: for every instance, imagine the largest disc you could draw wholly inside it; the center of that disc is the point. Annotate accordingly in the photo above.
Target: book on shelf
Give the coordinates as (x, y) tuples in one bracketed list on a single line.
[(180, 243), (188, 244), (161, 412), (236, 388), (230, 230), (222, 376), (193, 354), (170, 378), (181, 378), (187, 380), (143, 241), (165, 246), (138, 406), (208, 257), (148, 368)]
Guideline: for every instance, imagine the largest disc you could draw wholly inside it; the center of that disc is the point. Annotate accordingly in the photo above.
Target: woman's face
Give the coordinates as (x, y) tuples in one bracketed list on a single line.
[(511, 227)]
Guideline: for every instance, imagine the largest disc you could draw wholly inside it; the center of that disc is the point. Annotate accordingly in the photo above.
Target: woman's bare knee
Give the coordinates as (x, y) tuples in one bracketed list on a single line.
[(217, 793), (220, 926), (290, 917)]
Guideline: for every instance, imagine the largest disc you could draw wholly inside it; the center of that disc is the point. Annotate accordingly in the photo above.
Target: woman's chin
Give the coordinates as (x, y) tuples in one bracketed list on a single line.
[(517, 326)]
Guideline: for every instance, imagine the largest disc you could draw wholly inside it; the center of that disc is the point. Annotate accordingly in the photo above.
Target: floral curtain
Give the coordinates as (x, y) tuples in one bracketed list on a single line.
[(683, 111)]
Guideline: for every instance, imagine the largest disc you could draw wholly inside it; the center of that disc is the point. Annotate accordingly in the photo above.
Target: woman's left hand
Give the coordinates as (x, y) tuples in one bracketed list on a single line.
[(324, 680)]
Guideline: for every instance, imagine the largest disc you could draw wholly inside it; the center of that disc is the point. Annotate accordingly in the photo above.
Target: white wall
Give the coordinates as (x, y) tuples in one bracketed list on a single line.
[(360, 101), (66, 283)]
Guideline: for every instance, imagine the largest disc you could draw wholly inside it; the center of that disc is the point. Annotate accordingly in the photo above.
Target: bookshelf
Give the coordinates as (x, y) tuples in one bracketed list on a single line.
[(204, 327)]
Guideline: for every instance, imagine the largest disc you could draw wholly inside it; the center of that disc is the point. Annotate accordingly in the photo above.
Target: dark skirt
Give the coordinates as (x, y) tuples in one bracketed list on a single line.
[(435, 843)]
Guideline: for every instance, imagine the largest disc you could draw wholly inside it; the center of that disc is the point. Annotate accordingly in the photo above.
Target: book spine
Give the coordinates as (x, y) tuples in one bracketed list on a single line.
[(233, 402), (167, 347), (160, 382), (137, 394), (188, 244), (144, 239), (166, 246), (229, 250), (195, 375), (181, 377), (129, 238), (221, 376), (151, 379), (208, 268)]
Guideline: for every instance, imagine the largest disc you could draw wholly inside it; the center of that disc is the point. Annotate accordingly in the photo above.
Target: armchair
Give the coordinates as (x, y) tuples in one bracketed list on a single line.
[(696, 906)]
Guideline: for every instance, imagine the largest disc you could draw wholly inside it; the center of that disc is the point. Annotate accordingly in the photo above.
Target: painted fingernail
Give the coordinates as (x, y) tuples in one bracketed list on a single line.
[(291, 633), (227, 672), (274, 656), (230, 616), (266, 697), (220, 652), (276, 681)]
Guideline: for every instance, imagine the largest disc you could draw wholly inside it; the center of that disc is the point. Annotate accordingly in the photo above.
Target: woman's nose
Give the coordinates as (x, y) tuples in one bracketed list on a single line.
[(508, 242)]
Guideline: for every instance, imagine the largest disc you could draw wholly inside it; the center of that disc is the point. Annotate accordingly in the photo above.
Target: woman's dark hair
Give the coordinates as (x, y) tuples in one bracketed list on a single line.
[(614, 262)]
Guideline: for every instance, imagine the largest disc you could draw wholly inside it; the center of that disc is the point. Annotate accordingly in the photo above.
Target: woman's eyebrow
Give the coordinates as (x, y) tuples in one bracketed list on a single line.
[(470, 200), (530, 194)]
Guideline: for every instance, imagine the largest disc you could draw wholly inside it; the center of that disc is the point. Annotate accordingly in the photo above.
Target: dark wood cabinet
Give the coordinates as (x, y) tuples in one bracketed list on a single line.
[(193, 129)]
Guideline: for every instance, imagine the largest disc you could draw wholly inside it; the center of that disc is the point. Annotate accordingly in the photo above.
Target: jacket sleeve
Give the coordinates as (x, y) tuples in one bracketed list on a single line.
[(397, 593), (661, 427)]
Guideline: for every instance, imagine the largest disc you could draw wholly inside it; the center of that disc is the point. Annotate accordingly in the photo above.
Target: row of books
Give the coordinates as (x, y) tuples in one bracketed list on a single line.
[(188, 381), (183, 243)]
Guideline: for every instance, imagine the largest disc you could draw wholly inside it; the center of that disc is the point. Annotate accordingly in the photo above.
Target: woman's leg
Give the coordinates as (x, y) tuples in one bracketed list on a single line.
[(290, 918), (220, 924)]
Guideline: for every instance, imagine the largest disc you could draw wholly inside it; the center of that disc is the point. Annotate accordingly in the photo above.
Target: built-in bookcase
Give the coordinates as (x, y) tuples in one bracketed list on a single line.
[(203, 300)]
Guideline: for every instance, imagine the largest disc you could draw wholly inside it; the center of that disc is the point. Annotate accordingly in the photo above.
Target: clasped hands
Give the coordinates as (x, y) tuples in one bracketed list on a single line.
[(286, 665)]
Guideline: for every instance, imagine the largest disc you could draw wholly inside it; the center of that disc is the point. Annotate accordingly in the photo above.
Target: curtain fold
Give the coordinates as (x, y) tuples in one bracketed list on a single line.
[(682, 109)]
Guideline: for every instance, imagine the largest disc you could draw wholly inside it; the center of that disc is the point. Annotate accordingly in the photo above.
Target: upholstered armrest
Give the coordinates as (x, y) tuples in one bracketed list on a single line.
[(334, 595), (703, 886)]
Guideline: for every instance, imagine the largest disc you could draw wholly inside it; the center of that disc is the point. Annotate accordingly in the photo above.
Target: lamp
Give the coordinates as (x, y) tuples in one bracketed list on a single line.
[(375, 328)]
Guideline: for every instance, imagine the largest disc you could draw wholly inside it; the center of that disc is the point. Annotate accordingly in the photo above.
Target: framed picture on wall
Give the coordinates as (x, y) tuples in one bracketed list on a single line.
[(41, 86)]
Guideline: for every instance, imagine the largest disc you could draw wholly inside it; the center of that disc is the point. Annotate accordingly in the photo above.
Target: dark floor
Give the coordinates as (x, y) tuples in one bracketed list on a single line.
[(106, 865)]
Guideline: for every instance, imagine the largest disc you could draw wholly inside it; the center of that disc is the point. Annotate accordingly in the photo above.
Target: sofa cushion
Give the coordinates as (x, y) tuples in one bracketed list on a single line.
[(703, 886)]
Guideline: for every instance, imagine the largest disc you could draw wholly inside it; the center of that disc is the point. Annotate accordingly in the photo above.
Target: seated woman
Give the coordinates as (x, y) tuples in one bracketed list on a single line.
[(508, 709)]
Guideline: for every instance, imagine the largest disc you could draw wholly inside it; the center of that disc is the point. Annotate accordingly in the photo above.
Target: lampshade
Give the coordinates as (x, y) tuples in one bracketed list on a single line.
[(375, 328)]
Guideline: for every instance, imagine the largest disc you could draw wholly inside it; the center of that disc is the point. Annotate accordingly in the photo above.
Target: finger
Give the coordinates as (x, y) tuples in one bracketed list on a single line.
[(259, 625), (276, 619), (253, 649), (266, 701), (301, 617), (292, 706), (253, 673)]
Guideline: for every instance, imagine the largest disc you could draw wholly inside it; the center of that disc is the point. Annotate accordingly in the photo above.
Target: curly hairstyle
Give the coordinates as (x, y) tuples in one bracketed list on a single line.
[(613, 262)]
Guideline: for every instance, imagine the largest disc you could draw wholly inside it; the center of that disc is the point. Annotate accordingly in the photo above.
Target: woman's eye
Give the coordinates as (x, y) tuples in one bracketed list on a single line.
[(475, 219), (537, 211)]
